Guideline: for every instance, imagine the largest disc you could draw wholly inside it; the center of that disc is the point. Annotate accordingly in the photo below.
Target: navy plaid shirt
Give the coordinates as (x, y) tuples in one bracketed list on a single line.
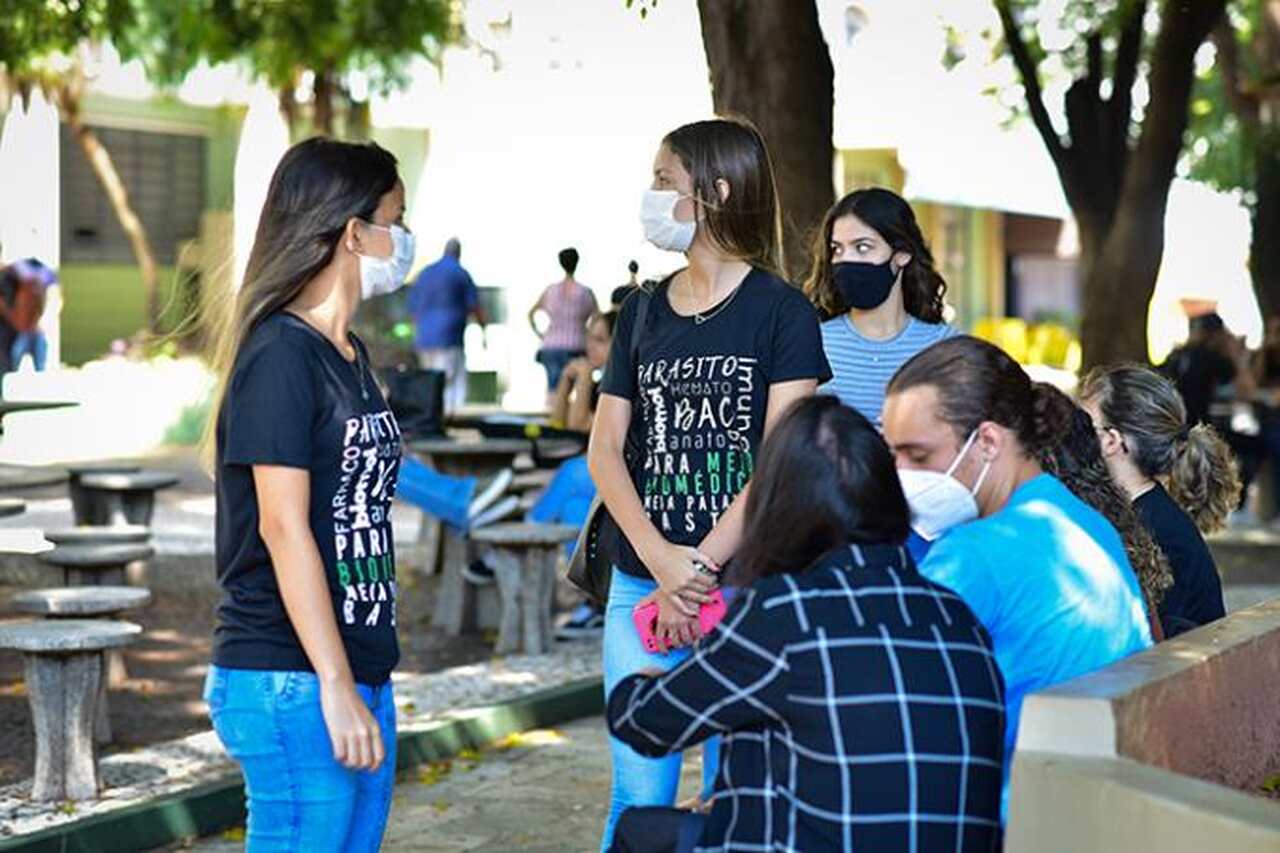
[(861, 708)]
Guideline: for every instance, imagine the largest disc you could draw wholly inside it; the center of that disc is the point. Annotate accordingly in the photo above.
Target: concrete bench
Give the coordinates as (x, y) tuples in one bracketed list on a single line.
[(121, 498), (524, 558), (95, 565), (1165, 750), (84, 602), (126, 534), (79, 504), (531, 481), (62, 663)]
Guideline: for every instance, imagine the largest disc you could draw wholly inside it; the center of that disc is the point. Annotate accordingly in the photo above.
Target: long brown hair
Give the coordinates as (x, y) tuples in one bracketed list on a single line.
[(890, 216), (1077, 461), (747, 225), (825, 479), (1148, 411), (318, 188)]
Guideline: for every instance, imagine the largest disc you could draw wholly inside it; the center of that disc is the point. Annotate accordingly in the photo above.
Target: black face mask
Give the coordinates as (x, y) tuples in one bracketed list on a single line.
[(864, 286)]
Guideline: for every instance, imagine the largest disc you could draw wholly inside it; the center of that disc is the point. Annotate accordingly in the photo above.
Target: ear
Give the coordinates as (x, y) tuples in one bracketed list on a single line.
[(903, 260), (991, 439), (1110, 443), (351, 235), (722, 189)]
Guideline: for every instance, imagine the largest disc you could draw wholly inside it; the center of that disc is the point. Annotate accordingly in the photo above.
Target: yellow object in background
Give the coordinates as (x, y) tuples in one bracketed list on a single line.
[(1048, 344)]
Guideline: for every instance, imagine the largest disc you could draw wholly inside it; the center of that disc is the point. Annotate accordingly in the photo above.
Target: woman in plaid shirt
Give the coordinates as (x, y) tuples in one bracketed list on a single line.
[(860, 704)]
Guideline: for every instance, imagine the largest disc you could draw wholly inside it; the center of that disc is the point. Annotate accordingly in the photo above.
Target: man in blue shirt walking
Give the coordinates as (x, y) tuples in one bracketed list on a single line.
[(442, 300)]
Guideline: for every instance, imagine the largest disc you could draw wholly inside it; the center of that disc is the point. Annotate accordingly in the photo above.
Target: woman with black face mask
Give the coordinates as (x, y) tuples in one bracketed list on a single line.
[(873, 277)]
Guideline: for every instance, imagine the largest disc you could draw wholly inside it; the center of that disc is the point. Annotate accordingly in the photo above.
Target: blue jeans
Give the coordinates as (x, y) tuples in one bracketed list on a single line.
[(29, 342), (447, 498), (567, 498), (554, 361), (637, 780), (300, 797)]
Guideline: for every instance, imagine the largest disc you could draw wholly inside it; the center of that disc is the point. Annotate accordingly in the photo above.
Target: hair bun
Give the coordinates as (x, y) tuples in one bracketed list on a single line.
[(1051, 415)]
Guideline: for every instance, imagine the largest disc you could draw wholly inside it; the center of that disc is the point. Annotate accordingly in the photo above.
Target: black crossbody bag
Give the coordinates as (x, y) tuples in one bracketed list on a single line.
[(600, 540)]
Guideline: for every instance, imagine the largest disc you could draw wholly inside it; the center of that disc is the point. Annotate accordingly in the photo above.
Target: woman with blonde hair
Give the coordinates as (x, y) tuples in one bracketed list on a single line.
[(1181, 478)]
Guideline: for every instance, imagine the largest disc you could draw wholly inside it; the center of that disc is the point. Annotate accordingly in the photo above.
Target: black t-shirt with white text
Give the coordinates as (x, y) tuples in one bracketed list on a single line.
[(293, 400), (699, 394)]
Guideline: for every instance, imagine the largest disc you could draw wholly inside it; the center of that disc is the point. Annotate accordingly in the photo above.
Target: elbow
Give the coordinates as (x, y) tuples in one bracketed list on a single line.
[(274, 529)]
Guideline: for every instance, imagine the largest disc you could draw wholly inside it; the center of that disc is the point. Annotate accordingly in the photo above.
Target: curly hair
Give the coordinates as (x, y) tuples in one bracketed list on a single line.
[(1145, 407), (890, 216), (1077, 461)]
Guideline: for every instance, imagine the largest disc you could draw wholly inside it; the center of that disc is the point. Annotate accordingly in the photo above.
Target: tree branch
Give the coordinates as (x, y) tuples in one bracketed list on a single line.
[(1031, 84), (1128, 53), (1243, 104)]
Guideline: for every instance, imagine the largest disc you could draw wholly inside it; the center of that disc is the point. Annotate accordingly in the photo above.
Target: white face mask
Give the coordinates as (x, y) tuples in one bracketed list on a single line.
[(939, 501), (658, 218), (380, 276)]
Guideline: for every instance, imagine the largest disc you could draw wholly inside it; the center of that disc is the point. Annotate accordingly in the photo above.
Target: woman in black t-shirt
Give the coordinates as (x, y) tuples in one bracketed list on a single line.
[(1149, 445), (306, 454), (724, 346)]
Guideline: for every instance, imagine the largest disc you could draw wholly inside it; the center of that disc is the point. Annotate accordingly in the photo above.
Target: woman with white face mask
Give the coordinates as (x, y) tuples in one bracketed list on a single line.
[(967, 427), (306, 455), (700, 368)]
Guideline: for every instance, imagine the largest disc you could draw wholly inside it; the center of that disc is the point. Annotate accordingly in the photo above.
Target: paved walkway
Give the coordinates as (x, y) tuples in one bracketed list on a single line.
[(545, 790)]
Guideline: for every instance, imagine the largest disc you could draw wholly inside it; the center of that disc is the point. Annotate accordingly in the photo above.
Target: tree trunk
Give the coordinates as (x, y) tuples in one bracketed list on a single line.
[(105, 170), (322, 112), (1119, 282), (1264, 248), (770, 64)]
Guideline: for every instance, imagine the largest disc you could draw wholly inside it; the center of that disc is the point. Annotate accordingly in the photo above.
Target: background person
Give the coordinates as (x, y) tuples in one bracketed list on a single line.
[(967, 428), (299, 688), (826, 718), (873, 276), (443, 298), (568, 305), (24, 308), (1147, 442), (726, 346)]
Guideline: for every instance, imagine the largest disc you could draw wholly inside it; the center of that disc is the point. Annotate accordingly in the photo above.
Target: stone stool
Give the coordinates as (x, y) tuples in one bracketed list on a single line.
[(95, 565), (118, 499), (80, 602), (125, 534), (62, 661), (10, 507), (79, 502), (527, 482), (524, 558)]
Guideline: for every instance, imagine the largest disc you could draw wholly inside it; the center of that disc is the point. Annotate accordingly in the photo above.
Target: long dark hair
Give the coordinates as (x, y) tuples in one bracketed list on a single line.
[(319, 187), (892, 218), (977, 381), (825, 478), (1077, 461), (1148, 411), (748, 225)]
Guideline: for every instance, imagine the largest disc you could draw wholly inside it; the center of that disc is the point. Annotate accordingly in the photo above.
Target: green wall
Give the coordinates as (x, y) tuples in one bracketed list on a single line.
[(102, 303)]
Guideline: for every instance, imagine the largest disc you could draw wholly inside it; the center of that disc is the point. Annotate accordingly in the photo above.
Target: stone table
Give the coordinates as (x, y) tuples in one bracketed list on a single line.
[(524, 558), (63, 669), (95, 564), (459, 457), (87, 602), (14, 478), (121, 498), (88, 534), (75, 473)]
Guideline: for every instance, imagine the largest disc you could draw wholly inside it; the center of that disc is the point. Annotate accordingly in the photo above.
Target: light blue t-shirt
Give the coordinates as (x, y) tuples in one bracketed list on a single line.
[(1048, 578), (861, 367)]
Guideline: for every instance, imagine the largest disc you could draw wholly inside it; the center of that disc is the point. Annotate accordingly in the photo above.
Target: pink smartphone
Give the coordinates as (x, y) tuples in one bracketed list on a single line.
[(646, 619)]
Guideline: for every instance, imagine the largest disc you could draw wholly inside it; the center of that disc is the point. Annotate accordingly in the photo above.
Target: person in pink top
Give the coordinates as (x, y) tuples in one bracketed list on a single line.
[(568, 305)]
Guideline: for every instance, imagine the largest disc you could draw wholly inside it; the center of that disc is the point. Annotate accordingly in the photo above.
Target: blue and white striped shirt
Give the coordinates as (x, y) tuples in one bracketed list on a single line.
[(861, 367)]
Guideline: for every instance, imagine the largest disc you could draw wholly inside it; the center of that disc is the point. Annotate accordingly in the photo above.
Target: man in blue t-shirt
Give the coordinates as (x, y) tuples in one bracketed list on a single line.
[(443, 298)]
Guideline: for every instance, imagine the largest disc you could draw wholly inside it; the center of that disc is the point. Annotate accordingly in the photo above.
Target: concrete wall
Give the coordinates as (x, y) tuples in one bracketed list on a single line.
[(1138, 756)]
